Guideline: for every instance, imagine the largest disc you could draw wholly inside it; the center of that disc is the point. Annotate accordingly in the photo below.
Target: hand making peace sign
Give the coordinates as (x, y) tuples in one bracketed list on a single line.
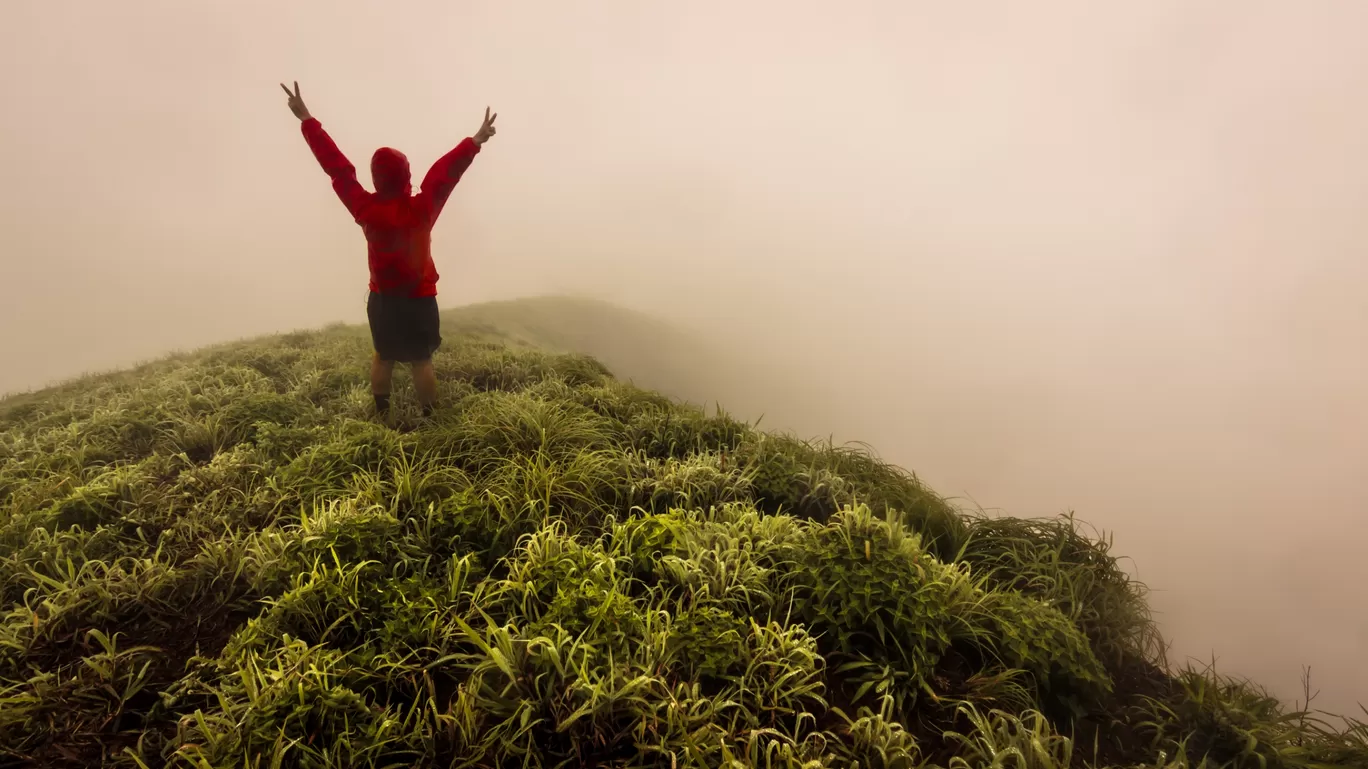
[(486, 129), (295, 103)]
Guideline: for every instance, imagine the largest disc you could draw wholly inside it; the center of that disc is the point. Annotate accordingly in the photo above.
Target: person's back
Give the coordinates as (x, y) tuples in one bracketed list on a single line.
[(402, 305), (397, 223)]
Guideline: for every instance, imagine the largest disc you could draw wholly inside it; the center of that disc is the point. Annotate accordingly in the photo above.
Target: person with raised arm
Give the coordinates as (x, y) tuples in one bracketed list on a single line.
[(397, 223)]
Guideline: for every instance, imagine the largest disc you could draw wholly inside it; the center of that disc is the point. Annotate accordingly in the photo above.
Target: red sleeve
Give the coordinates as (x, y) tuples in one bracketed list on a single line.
[(441, 179), (336, 166)]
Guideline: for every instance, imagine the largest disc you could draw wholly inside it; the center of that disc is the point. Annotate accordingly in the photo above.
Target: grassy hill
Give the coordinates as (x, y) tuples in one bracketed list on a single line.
[(221, 559)]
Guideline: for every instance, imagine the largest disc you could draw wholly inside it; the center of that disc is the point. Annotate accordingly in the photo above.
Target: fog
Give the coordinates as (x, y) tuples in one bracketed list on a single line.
[(1106, 257)]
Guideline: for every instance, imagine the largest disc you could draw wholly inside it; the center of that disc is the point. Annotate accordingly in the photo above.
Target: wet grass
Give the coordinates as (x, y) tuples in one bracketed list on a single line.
[(221, 559)]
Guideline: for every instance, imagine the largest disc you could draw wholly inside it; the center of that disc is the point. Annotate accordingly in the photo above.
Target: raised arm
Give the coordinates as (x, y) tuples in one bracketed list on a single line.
[(334, 163), (444, 175)]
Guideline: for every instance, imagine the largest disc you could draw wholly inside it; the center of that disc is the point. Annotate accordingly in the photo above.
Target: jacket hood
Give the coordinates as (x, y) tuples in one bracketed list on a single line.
[(390, 172)]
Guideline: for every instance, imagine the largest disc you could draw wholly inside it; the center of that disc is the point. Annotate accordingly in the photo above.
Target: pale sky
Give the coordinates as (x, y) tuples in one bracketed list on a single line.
[(1051, 255)]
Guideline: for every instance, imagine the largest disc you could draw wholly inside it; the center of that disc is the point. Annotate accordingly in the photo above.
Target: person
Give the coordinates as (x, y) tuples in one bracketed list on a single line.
[(402, 303)]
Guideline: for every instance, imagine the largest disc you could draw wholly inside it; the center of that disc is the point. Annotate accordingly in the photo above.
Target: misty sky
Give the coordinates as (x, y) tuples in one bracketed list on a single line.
[(1107, 257)]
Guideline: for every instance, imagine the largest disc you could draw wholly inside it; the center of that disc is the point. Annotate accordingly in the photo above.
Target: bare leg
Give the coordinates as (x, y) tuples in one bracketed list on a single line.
[(425, 383), (382, 377)]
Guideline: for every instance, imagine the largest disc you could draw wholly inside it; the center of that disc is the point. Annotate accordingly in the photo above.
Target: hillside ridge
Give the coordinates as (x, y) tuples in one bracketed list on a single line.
[(222, 557)]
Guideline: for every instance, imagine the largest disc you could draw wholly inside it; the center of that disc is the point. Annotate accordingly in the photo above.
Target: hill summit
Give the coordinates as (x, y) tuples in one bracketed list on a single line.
[(221, 559)]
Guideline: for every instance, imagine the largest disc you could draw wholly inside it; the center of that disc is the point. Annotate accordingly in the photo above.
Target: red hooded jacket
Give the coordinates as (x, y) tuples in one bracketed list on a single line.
[(397, 223)]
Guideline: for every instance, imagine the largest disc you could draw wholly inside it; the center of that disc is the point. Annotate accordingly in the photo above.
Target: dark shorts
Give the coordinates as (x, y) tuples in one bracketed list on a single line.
[(404, 329)]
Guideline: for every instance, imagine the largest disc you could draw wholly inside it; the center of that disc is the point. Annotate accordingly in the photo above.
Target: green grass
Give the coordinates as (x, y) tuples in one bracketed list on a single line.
[(221, 559)]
